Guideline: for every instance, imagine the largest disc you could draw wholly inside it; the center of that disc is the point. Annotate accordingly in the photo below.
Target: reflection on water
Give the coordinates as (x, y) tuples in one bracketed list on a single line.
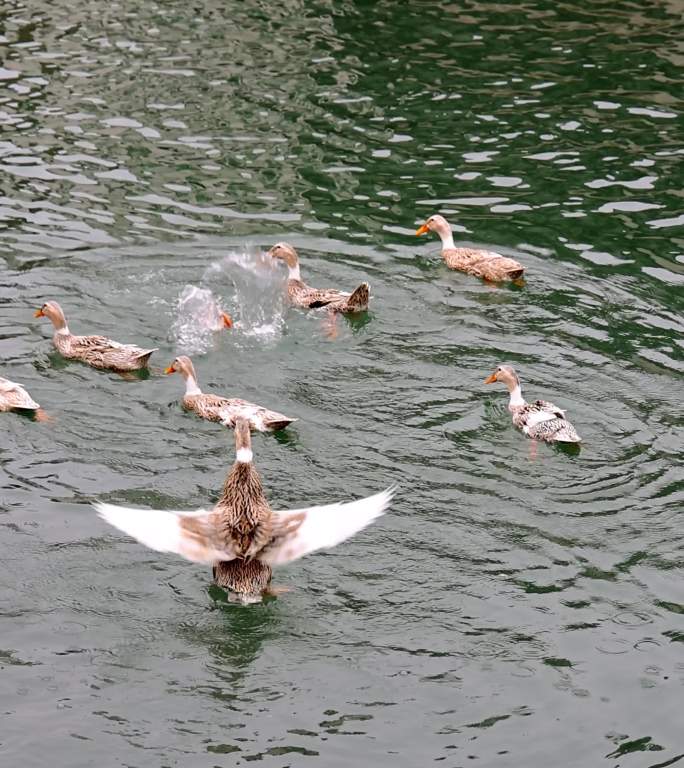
[(151, 153)]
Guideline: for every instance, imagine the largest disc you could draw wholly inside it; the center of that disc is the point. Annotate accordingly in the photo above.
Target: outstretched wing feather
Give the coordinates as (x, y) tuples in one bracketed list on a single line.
[(193, 535), (298, 532)]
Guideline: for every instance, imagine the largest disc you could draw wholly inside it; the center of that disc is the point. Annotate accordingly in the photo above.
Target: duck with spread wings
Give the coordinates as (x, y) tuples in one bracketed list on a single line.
[(242, 537)]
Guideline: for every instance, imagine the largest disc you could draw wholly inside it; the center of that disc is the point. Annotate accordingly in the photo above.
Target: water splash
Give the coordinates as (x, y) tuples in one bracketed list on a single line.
[(258, 291), (199, 320), (246, 284)]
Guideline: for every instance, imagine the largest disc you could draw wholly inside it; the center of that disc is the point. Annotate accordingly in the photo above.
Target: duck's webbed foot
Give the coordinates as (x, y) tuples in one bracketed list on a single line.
[(330, 329), (534, 444), (127, 375), (274, 591)]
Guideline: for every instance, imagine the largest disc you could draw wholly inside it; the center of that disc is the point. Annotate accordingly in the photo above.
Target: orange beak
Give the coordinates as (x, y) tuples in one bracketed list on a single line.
[(227, 320), (170, 369), (39, 313), (423, 229), (491, 379)]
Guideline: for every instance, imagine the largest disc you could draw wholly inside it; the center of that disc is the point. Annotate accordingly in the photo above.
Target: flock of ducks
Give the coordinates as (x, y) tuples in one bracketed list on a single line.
[(242, 537)]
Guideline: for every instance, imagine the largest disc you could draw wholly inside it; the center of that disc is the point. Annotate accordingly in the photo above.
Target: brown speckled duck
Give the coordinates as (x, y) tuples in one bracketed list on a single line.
[(242, 537), (488, 265), (540, 420), (223, 409), (97, 351), (303, 295), (13, 397)]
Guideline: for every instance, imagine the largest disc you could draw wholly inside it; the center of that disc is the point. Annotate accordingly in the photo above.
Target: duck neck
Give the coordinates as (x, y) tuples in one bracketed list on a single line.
[(447, 238), (294, 272), (191, 385), (243, 442), (60, 324), (516, 398)]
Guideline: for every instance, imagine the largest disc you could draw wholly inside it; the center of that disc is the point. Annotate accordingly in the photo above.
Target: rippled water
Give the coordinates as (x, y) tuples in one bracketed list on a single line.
[(512, 609)]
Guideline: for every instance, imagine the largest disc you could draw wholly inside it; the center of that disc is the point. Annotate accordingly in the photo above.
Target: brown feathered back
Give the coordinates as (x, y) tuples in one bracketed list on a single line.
[(245, 515)]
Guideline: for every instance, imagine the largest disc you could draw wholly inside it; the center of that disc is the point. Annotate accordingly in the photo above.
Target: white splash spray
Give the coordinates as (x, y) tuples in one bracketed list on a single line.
[(245, 284)]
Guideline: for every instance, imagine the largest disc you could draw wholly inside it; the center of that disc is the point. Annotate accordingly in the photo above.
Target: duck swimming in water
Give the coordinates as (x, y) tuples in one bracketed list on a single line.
[(223, 409), (474, 261), (303, 295), (539, 420), (242, 537), (97, 351)]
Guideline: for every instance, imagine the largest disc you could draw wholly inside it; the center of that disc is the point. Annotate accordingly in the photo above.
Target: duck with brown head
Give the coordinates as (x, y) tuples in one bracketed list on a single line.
[(303, 295), (540, 420), (242, 537), (223, 409), (97, 351), (488, 265)]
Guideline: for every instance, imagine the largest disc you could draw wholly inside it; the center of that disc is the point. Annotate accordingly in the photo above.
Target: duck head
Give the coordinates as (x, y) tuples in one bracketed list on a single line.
[(285, 252), (505, 374), (436, 224), (441, 226), (54, 313), (183, 365)]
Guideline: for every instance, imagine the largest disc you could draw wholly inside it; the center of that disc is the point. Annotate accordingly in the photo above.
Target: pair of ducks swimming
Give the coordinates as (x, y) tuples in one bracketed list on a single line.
[(488, 265), (540, 420)]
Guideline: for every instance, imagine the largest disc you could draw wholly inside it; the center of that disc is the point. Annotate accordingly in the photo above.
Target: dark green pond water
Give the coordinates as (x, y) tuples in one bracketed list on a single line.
[(510, 609)]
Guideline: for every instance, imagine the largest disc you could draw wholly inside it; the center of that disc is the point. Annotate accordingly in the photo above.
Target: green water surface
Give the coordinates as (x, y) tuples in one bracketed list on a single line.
[(511, 609)]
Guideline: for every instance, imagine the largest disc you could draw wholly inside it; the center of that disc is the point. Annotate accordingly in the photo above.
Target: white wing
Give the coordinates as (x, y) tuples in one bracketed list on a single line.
[(300, 531), (537, 417), (190, 534)]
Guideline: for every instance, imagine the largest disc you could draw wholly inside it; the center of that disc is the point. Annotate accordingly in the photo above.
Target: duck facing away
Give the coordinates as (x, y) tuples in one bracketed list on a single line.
[(97, 351), (223, 409), (303, 295), (242, 537), (539, 420), (488, 265), (13, 397)]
